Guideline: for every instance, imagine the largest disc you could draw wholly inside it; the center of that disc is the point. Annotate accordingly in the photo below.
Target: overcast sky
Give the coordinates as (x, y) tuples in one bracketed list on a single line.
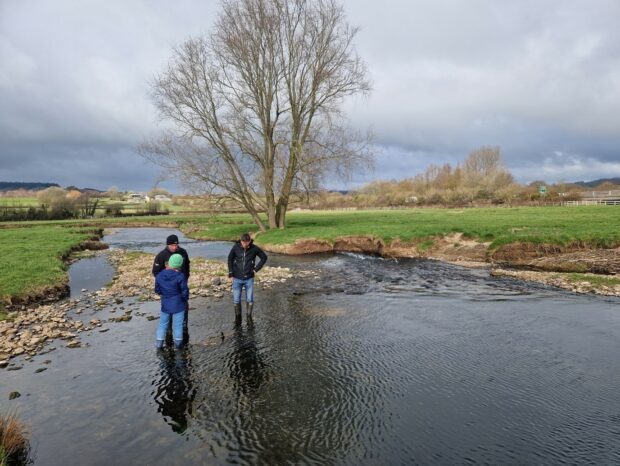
[(540, 79)]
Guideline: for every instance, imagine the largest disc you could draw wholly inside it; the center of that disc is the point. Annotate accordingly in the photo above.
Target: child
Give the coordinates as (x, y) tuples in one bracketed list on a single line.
[(171, 285)]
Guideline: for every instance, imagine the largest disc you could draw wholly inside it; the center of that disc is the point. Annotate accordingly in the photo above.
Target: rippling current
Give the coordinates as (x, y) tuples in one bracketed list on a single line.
[(376, 362)]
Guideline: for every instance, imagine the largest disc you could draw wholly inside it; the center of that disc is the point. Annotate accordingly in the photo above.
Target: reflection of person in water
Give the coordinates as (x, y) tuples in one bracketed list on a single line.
[(174, 391), (247, 368)]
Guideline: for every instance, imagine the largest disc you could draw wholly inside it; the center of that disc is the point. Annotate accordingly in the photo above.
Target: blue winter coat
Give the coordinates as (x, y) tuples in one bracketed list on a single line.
[(171, 285)]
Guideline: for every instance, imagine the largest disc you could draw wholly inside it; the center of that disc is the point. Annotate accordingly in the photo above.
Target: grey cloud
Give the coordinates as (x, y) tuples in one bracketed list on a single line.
[(537, 78)]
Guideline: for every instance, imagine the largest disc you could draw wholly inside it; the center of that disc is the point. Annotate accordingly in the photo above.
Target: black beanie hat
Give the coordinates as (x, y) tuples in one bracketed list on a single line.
[(172, 239)]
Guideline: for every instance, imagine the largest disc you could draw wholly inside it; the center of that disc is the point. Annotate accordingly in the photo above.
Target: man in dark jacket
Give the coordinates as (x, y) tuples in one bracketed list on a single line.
[(159, 264), (241, 269), (172, 247)]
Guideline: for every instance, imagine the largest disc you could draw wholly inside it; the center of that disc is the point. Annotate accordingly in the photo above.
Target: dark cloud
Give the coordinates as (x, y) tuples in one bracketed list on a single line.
[(538, 78), (82, 165)]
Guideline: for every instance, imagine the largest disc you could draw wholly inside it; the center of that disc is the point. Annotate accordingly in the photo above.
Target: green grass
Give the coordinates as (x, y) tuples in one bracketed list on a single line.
[(594, 280), (32, 257), (593, 225), (19, 201)]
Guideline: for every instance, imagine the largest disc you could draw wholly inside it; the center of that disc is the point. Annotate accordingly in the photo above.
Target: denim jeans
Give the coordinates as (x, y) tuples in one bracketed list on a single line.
[(177, 326), (237, 286)]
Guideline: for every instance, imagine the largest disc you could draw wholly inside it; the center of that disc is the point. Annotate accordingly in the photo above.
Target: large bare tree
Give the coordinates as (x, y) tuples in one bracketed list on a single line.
[(257, 105)]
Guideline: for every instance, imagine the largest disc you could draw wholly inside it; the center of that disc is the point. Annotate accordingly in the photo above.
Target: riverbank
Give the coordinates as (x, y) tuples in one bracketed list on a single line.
[(577, 268)]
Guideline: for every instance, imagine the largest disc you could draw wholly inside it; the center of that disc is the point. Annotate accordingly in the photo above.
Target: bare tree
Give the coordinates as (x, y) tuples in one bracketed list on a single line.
[(257, 105), (484, 169)]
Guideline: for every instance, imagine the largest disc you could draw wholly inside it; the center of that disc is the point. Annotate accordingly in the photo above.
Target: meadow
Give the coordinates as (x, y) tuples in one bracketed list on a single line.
[(596, 226), (34, 257)]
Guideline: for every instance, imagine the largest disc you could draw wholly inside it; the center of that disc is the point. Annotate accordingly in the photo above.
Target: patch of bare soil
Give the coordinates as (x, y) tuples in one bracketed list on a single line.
[(301, 246), (452, 248)]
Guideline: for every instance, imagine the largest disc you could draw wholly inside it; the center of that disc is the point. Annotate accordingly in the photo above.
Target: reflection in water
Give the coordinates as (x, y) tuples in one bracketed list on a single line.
[(174, 391), (247, 369)]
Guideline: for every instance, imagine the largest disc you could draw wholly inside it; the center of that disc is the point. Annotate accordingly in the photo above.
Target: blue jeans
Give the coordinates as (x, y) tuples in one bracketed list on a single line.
[(177, 326), (237, 286)]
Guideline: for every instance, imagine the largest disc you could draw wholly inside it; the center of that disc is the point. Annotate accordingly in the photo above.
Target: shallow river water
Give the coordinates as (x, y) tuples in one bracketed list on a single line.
[(376, 362)]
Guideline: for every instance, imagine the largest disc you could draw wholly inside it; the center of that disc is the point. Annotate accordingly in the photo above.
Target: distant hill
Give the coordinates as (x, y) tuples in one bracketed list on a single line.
[(595, 183), (15, 185)]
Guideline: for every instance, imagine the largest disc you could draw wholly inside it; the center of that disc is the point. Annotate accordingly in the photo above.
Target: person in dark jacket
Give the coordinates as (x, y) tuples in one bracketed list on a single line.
[(172, 247), (159, 264), (241, 269), (171, 285)]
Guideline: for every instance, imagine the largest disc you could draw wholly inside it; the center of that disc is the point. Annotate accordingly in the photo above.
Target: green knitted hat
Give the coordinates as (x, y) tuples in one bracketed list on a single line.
[(175, 261)]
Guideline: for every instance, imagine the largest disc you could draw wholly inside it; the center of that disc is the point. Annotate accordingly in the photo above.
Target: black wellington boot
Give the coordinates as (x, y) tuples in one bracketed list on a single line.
[(238, 314), (248, 310)]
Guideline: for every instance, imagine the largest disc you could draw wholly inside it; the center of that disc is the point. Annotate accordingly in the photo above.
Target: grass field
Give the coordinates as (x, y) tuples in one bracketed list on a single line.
[(595, 225), (32, 257)]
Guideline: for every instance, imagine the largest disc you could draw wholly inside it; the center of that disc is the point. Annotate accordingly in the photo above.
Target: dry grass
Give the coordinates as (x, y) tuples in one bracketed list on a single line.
[(14, 445)]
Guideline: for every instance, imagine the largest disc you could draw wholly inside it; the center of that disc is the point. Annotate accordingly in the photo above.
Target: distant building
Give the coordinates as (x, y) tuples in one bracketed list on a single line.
[(162, 198), (137, 197)]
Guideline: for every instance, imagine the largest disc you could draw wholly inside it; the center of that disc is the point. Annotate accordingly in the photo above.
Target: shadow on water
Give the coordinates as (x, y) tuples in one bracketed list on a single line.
[(174, 390), (246, 366), (375, 362)]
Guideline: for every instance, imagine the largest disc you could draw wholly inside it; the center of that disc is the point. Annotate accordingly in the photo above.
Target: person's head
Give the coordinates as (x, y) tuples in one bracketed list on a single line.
[(175, 261), (172, 242), (245, 240)]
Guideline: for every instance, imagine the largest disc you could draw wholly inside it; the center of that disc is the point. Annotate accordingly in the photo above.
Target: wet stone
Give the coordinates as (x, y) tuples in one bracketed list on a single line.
[(14, 395), (40, 369)]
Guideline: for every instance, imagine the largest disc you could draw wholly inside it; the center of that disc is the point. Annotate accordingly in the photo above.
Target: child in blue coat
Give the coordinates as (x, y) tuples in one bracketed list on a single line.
[(171, 285)]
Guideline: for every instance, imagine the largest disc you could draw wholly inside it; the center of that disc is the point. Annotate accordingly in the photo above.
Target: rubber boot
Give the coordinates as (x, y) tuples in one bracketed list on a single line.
[(159, 344), (237, 313), (178, 344), (248, 309)]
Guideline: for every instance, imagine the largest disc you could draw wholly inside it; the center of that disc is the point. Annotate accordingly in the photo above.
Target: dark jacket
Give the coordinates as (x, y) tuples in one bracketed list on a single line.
[(171, 285), (241, 261), (159, 263)]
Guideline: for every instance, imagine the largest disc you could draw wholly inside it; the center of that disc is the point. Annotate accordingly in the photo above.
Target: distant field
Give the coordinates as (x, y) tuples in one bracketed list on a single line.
[(19, 201)]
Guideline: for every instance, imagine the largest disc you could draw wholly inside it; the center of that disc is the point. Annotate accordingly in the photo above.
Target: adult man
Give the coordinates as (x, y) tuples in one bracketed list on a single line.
[(159, 264), (241, 269)]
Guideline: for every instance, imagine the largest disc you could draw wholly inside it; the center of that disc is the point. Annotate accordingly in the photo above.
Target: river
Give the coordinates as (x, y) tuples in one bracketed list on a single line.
[(377, 362)]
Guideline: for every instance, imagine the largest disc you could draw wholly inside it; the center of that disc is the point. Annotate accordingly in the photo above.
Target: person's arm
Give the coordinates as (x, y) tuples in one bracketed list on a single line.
[(263, 258), (184, 288), (186, 263), (158, 264), (157, 287), (231, 258)]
